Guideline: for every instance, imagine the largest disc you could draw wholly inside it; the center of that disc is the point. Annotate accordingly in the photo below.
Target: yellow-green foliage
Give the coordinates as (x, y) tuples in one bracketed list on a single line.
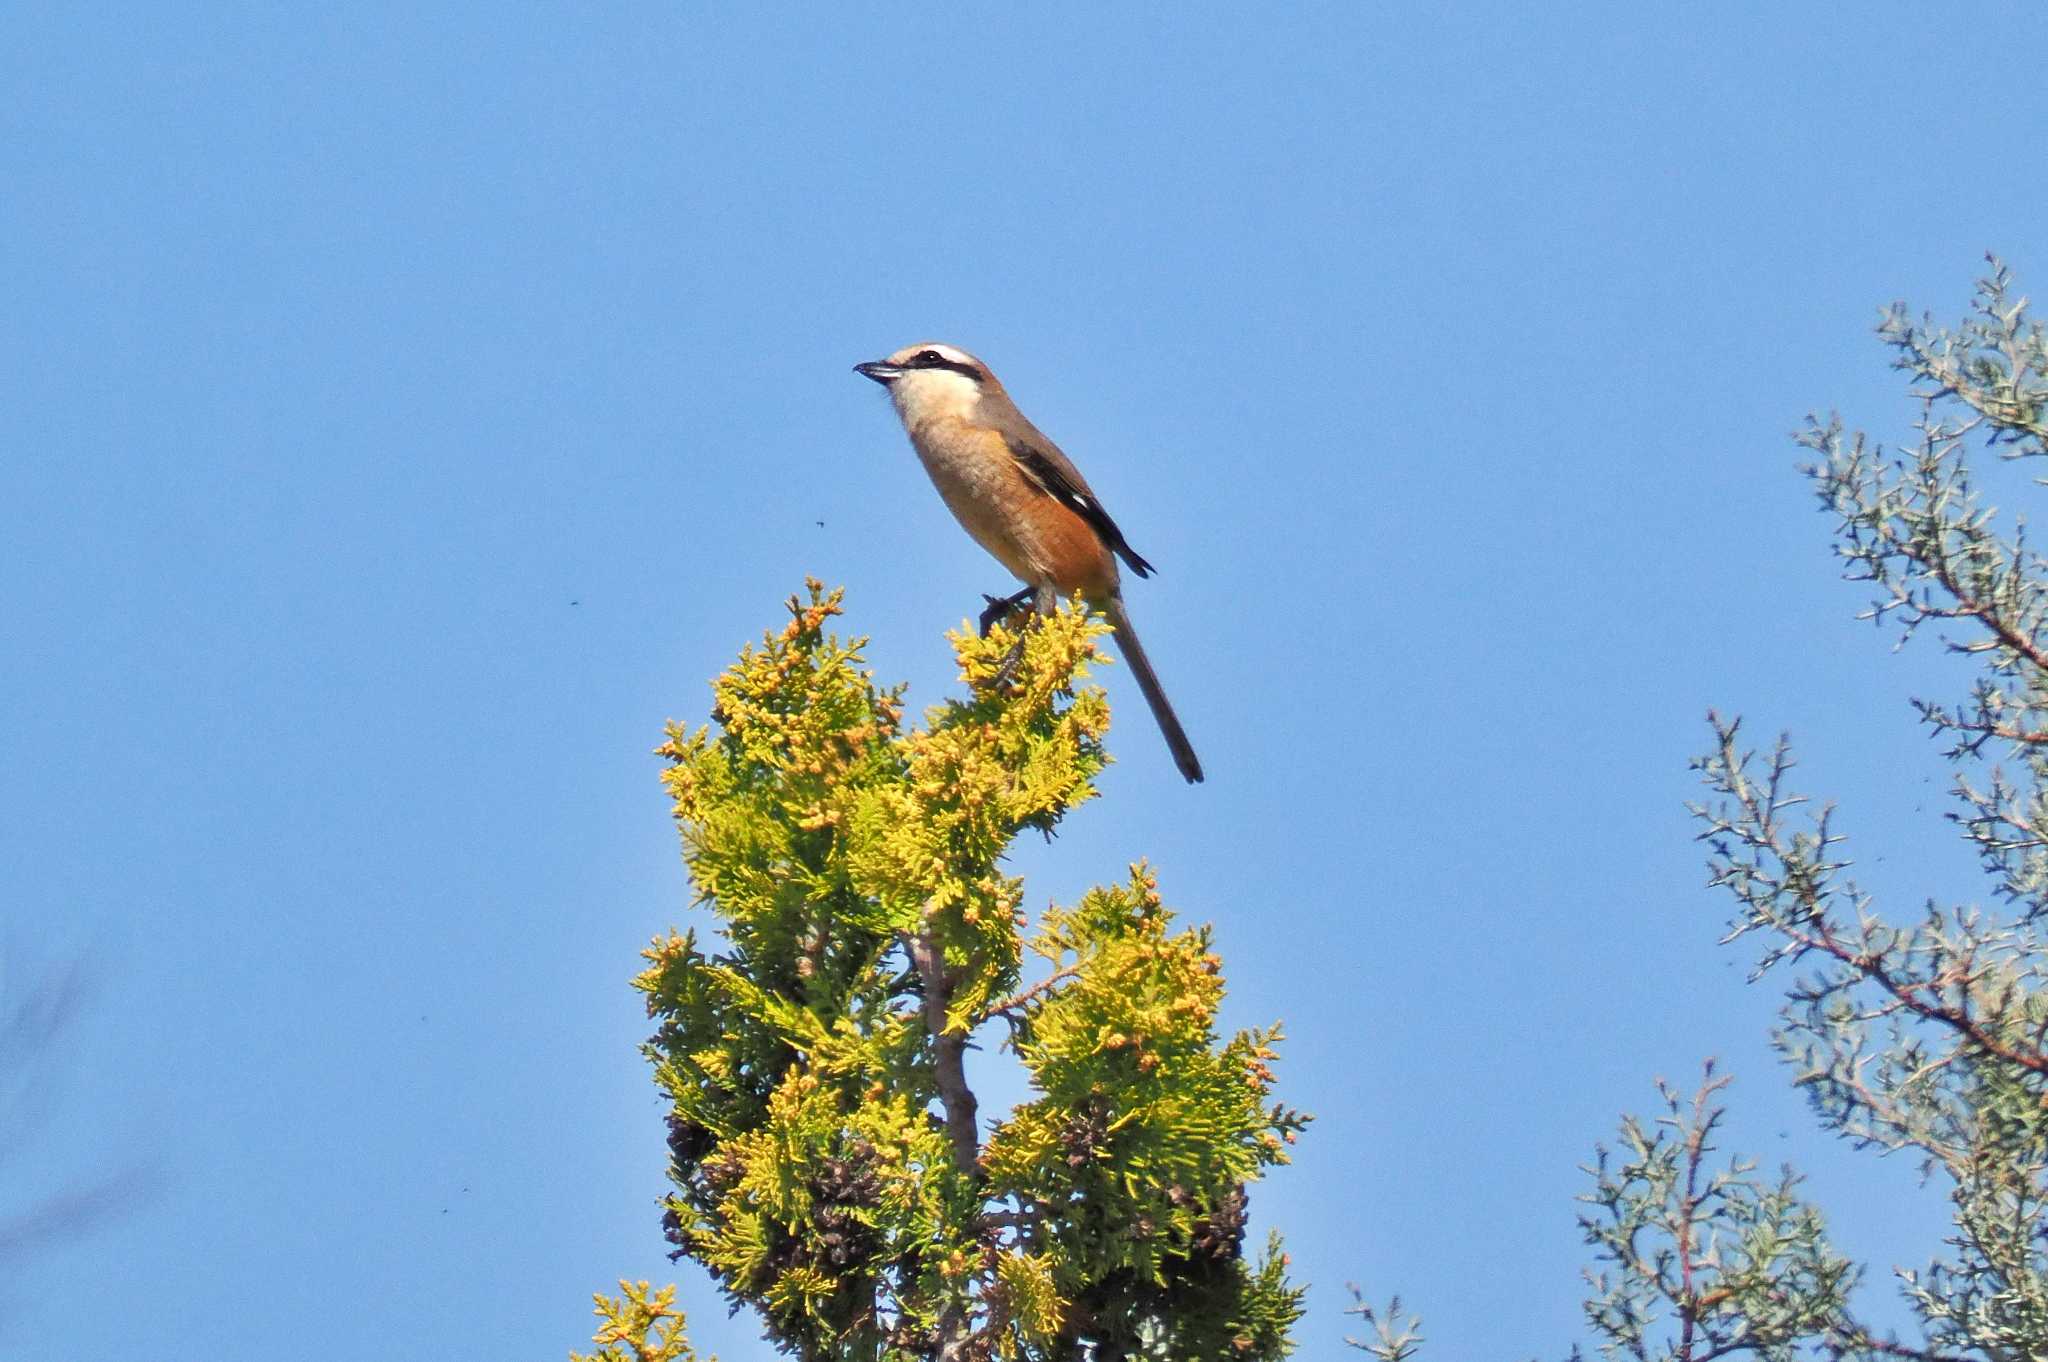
[(639, 1326), (829, 1169), (1129, 1045)]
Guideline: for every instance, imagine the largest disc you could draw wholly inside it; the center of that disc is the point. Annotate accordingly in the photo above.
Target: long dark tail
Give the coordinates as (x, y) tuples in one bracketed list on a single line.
[(1148, 681)]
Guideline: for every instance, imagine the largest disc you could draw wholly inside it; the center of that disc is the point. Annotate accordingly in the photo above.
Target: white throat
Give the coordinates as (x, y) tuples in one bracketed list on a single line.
[(923, 395)]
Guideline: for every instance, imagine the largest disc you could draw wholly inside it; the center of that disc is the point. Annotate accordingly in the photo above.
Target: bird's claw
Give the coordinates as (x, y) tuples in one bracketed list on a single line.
[(998, 607), (1001, 607)]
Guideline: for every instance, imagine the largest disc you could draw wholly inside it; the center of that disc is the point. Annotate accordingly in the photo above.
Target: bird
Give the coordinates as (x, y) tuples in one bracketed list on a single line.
[(1022, 499)]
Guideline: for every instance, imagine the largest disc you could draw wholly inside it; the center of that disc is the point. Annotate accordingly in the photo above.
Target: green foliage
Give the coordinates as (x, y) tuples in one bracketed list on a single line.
[(830, 1164), (1927, 1035), (1396, 1337), (1737, 1263), (1930, 1036), (639, 1326)]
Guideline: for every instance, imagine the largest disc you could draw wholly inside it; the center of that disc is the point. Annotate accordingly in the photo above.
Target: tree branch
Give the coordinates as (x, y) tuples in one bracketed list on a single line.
[(1029, 995), (1911, 994), (949, 1049), (1815, 930)]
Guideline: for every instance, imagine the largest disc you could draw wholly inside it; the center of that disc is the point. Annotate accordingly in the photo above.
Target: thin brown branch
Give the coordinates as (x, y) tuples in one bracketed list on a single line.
[(949, 1050), (1856, 1336), (1909, 993), (1030, 1219), (2033, 737), (1814, 931), (1989, 616), (1025, 997), (1690, 1304)]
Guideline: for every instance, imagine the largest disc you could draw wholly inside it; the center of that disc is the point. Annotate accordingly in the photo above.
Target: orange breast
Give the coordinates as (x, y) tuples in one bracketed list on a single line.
[(1066, 549), (1036, 537)]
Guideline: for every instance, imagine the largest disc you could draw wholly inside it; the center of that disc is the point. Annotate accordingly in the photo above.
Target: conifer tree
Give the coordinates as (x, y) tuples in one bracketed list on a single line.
[(832, 1166), (1925, 1034)]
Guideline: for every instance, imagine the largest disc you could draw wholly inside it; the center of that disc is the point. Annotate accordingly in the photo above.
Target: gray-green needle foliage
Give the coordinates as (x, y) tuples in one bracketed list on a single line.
[(1926, 1033)]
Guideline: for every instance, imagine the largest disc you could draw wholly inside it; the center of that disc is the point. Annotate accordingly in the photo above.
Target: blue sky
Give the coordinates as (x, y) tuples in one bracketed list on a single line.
[(404, 411)]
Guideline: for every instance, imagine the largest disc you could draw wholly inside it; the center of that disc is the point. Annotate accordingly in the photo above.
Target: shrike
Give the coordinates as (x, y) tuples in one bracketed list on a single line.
[(1021, 499)]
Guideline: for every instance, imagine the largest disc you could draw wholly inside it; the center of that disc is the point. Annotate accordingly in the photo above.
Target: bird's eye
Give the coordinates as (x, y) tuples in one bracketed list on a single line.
[(930, 357)]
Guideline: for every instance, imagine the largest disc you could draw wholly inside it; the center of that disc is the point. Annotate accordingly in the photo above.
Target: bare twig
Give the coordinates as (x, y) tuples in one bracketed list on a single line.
[(1025, 997)]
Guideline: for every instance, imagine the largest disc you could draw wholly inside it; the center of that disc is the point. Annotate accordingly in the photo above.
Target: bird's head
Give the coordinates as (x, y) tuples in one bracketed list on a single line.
[(929, 379)]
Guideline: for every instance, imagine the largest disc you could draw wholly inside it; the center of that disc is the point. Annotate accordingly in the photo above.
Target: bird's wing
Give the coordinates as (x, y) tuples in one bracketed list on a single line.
[(1054, 474)]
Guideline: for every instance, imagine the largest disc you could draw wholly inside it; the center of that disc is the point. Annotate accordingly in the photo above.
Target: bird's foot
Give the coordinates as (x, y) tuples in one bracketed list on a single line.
[(1002, 607)]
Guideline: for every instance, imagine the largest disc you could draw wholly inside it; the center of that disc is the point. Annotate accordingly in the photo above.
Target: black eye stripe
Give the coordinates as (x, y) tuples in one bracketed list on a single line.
[(932, 359)]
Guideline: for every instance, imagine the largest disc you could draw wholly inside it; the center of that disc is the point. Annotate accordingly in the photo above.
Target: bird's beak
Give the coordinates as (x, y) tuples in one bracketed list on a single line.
[(880, 370)]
